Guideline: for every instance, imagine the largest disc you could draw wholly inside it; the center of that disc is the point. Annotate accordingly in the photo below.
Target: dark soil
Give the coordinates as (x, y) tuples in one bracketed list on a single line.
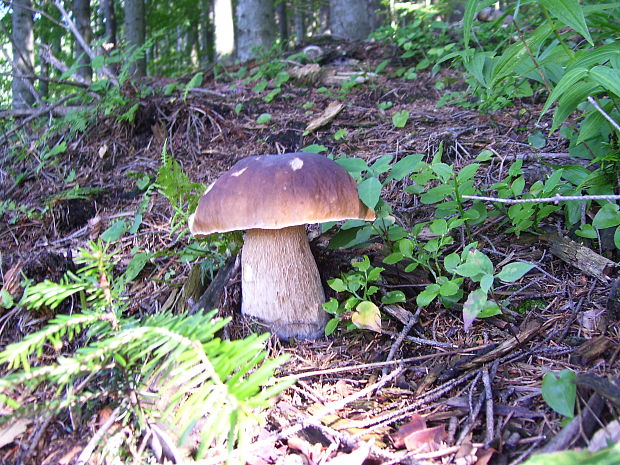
[(470, 397)]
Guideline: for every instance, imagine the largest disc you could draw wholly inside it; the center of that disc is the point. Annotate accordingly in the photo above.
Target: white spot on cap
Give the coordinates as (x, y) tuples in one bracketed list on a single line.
[(239, 173), (297, 163)]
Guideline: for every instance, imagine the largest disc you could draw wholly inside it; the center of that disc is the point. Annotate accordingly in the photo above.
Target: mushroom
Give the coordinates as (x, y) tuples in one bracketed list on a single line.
[(272, 197)]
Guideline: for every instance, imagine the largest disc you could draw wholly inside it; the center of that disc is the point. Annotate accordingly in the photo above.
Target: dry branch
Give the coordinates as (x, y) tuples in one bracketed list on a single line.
[(582, 258)]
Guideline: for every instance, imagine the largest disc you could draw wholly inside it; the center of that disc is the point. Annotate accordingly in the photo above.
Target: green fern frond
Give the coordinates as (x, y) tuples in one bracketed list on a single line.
[(16, 355)]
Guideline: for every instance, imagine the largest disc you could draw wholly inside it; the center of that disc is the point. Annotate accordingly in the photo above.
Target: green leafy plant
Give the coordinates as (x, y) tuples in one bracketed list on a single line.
[(174, 184), (606, 456), (178, 356), (560, 391), (357, 283)]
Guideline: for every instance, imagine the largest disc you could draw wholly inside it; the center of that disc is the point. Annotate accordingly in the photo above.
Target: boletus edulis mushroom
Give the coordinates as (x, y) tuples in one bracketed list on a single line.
[(272, 197)]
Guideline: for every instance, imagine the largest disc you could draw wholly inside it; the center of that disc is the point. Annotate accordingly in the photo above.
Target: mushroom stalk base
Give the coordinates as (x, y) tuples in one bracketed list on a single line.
[(280, 282)]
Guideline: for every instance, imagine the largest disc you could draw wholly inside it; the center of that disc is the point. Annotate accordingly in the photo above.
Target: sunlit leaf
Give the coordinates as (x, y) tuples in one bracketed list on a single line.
[(367, 316)]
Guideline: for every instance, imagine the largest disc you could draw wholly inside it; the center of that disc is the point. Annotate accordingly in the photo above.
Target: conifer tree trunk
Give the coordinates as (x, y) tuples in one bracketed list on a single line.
[(348, 19), (81, 12), (109, 20), (206, 33), (23, 54), (135, 31), (282, 21), (255, 27), (191, 46), (300, 23)]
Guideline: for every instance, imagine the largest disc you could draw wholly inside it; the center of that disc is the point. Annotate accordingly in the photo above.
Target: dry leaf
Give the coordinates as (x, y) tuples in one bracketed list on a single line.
[(356, 457), (367, 316), (9, 432), (103, 150), (416, 423), (604, 436), (12, 281), (415, 436), (325, 118)]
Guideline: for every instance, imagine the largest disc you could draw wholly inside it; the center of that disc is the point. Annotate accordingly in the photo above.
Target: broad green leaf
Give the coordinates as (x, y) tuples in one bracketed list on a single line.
[(451, 261), (607, 456), (517, 186), (490, 309), (506, 64), (353, 165), (331, 306), (514, 271), (570, 100), (337, 285), (439, 227), (565, 85), (559, 391), (443, 170), (436, 194), (607, 217), (367, 316), (588, 57), (471, 8), (263, 118), (370, 191), (467, 270), (405, 246), (617, 238), (405, 166), (553, 181), (393, 258), (486, 282), (427, 295), (449, 288), (477, 258), (467, 172), (608, 78), (592, 126), (114, 232), (393, 297), (537, 140), (485, 155), (136, 265), (331, 326), (381, 165), (588, 231), (314, 148), (400, 118), (472, 307), (569, 12)]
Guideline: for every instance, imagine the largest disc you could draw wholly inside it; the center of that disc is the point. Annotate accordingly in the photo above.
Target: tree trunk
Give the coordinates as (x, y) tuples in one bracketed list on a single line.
[(135, 32), (109, 19), (282, 22), (376, 14), (23, 54), (81, 12), (224, 28), (300, 23), (191, 46), (206, 33), (255, 27), (348, 19)]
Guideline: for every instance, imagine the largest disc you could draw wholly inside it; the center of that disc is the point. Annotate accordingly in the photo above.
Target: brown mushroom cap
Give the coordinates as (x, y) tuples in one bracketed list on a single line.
[(278, 191)]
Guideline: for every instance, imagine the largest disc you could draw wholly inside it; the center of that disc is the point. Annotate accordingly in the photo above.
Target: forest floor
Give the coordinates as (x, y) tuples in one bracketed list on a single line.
[(448, 396)]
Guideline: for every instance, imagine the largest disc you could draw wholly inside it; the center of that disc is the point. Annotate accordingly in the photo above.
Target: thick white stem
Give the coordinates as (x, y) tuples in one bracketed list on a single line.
[(280, 282)]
